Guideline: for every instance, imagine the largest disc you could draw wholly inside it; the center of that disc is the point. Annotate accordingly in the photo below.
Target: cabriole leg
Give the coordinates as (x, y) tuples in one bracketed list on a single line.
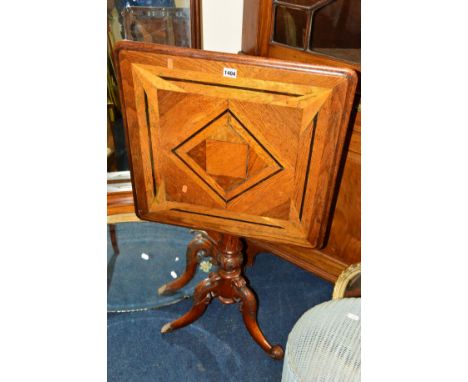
[(200, 245)]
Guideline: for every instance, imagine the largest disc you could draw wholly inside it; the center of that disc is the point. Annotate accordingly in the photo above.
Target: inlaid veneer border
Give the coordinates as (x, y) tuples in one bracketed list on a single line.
[(342, 80)]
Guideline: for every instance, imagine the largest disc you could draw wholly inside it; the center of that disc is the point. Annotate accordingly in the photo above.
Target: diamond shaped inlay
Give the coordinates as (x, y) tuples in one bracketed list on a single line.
[(227, 157), (198, 154)]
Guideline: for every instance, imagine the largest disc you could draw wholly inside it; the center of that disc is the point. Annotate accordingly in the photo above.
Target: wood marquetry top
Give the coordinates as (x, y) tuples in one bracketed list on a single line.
[(255, 155)]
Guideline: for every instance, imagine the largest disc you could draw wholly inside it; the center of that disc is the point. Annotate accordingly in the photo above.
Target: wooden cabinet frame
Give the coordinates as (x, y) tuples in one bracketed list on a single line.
[(342, 245)]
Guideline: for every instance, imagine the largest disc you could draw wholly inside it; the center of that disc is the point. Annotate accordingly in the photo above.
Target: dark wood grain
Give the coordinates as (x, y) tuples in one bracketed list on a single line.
[(196, 23), (257, 31), (165, 30), (342, 244), (227, 284), (120, 203)]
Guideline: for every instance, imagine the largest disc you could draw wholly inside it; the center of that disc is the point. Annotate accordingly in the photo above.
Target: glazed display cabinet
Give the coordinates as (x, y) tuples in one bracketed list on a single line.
[(321, 32)]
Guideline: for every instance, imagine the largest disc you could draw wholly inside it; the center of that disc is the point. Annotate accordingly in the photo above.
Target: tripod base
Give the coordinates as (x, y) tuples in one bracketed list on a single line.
[(227, 284)]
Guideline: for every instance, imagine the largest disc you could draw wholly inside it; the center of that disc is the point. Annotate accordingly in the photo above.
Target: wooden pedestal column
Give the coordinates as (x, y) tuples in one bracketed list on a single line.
[(227, 284)]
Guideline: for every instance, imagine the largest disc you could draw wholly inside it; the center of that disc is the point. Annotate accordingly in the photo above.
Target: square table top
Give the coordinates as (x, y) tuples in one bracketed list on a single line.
[(236, 144)]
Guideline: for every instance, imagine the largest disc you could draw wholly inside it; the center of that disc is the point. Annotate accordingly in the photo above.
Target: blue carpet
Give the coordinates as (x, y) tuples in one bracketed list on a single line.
[(150, 256), (217, 347)]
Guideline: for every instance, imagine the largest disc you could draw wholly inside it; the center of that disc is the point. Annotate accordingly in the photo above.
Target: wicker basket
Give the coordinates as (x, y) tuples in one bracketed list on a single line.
[(325, 344)]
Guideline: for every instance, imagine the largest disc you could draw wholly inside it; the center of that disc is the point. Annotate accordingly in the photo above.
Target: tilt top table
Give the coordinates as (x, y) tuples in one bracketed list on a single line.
[(236, 146)]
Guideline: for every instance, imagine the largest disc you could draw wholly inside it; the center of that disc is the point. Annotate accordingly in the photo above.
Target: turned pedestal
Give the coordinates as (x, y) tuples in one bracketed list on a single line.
[(227, 284)]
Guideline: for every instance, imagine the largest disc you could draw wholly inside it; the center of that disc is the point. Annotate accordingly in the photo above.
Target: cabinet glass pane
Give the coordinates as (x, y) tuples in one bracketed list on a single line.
[(154, 21), (336, 30), (290, 26), (158, 25)]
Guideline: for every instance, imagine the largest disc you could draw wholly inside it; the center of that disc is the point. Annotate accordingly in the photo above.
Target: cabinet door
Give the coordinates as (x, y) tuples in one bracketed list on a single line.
[(320, 33)]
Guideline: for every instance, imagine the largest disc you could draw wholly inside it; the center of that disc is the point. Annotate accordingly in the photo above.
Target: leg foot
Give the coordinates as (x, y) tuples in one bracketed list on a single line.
[(249, 314), (162, 290), (113, 236), (166, 328), (113, 259), (276, 352)]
